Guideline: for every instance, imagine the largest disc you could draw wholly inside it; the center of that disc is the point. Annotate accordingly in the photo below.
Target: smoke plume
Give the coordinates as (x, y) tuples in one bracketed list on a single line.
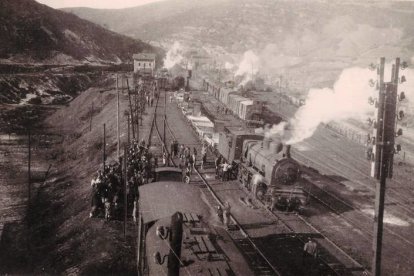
[(348, 99), (248, 67), (174, 55), (228, 65)]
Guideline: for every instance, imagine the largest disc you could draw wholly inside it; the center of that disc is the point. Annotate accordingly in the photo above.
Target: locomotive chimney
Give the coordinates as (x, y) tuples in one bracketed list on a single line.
[(287, 151)]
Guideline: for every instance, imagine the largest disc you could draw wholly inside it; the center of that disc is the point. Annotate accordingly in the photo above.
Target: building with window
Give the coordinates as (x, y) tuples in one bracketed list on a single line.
[(144, 63)]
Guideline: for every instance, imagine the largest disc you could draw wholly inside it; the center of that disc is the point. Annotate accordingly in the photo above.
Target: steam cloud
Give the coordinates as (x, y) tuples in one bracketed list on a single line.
[(228, 65), (174, 55), (347, 100), (248, 67)]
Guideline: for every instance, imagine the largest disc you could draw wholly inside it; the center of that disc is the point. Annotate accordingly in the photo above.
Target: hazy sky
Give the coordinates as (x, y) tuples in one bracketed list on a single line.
[(99, 4)]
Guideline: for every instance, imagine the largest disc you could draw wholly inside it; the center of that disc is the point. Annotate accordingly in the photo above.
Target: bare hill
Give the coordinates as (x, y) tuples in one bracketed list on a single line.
[(345, 27), (32, 32)]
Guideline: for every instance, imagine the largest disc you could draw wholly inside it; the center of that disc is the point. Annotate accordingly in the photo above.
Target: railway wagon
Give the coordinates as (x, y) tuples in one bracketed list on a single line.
[(233, 104), (242, 107), (245, 108), (265, 168), (224, 96)]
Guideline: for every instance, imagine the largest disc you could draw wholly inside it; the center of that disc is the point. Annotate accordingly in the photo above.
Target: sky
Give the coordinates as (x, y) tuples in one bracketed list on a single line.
[(98, 4)]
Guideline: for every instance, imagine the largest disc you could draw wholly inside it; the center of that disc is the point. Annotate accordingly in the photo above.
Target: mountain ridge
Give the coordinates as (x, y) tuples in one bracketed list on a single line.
[(32, 32)]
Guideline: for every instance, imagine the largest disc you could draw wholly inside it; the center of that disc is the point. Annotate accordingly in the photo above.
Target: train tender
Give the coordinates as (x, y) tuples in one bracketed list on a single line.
[(265, 168), (177, 234)]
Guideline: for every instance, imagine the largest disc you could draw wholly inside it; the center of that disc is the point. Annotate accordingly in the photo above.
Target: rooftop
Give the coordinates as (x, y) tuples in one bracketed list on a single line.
[(144, 56)]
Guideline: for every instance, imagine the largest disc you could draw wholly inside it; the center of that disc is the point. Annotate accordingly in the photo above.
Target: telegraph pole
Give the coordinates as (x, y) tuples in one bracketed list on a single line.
[(117, 116), (165, 116), (125, 188), (29, 164), (131, 110), (383, 151), (128, 122), (104, 146)]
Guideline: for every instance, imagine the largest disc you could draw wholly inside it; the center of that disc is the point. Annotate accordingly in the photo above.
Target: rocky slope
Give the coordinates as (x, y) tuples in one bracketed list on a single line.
[(31, 32)]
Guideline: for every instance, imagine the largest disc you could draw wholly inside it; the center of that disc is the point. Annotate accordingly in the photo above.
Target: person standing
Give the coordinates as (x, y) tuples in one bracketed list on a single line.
[(226, 210), (217, 162), (225, 171), (203, 160), (172, 148), (164, 159), (310, 252), (220, 214), (194, 157), (191, 163)]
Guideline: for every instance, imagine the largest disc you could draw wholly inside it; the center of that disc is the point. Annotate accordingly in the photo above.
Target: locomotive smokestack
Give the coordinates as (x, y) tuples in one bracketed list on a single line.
[(287, 151)]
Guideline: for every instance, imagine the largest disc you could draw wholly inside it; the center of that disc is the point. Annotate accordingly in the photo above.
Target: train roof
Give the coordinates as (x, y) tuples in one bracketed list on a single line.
[(247, 102), (241, 130), (163, 199), (202, 252)]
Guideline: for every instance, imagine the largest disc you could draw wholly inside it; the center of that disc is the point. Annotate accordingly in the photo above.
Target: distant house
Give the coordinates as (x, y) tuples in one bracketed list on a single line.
[(144, 63)]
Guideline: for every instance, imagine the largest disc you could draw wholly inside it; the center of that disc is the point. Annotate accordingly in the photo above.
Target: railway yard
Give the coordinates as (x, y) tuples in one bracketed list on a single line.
[(207, 138), (338, 212), (260, 239)]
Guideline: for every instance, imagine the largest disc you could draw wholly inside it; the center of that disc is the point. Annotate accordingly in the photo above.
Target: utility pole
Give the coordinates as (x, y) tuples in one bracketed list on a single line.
[(104, 146), (128, 136), (138, 108), (125, 188), (29, 176), (117, 117), (383, 150), (165, 116), (131, 110)]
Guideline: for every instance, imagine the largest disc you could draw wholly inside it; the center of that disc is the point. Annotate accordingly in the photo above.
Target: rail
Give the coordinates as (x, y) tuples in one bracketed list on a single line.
[(236, 222)]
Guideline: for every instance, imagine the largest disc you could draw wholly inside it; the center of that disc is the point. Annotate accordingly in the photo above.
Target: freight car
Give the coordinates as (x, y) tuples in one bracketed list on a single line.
[(265, 168), (242, 107)]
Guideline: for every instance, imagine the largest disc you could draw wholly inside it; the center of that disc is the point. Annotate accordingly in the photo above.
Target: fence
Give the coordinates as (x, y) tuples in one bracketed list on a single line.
[(361, 138)]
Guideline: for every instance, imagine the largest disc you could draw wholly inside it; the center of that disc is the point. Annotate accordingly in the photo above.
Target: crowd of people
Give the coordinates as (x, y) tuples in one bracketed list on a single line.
[(224, 170), (109, 187), (189, 158)]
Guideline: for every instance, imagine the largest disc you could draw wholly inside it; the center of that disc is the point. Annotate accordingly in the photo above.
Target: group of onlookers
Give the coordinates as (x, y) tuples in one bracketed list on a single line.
[(109, 187)]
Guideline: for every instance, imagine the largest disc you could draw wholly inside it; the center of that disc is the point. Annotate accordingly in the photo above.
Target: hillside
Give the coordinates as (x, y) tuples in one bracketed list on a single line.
[(246, 24), (309, 42), (31, 32)]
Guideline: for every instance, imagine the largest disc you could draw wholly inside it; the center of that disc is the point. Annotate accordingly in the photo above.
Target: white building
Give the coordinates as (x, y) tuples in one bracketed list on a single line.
[(144, 63)]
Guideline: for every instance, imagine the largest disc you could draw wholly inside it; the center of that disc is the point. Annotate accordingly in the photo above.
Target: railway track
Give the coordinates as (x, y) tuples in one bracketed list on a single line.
[(256, 258), (336, 204), (258, 262), (335, 267), (157, 134), (394, 195)]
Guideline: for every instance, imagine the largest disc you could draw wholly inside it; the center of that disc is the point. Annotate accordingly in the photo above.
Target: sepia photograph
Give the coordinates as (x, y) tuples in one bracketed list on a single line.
[(207, 137)]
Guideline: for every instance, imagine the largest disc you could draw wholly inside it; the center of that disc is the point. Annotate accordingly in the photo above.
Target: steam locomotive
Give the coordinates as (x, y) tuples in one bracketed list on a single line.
[(265, 168)]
